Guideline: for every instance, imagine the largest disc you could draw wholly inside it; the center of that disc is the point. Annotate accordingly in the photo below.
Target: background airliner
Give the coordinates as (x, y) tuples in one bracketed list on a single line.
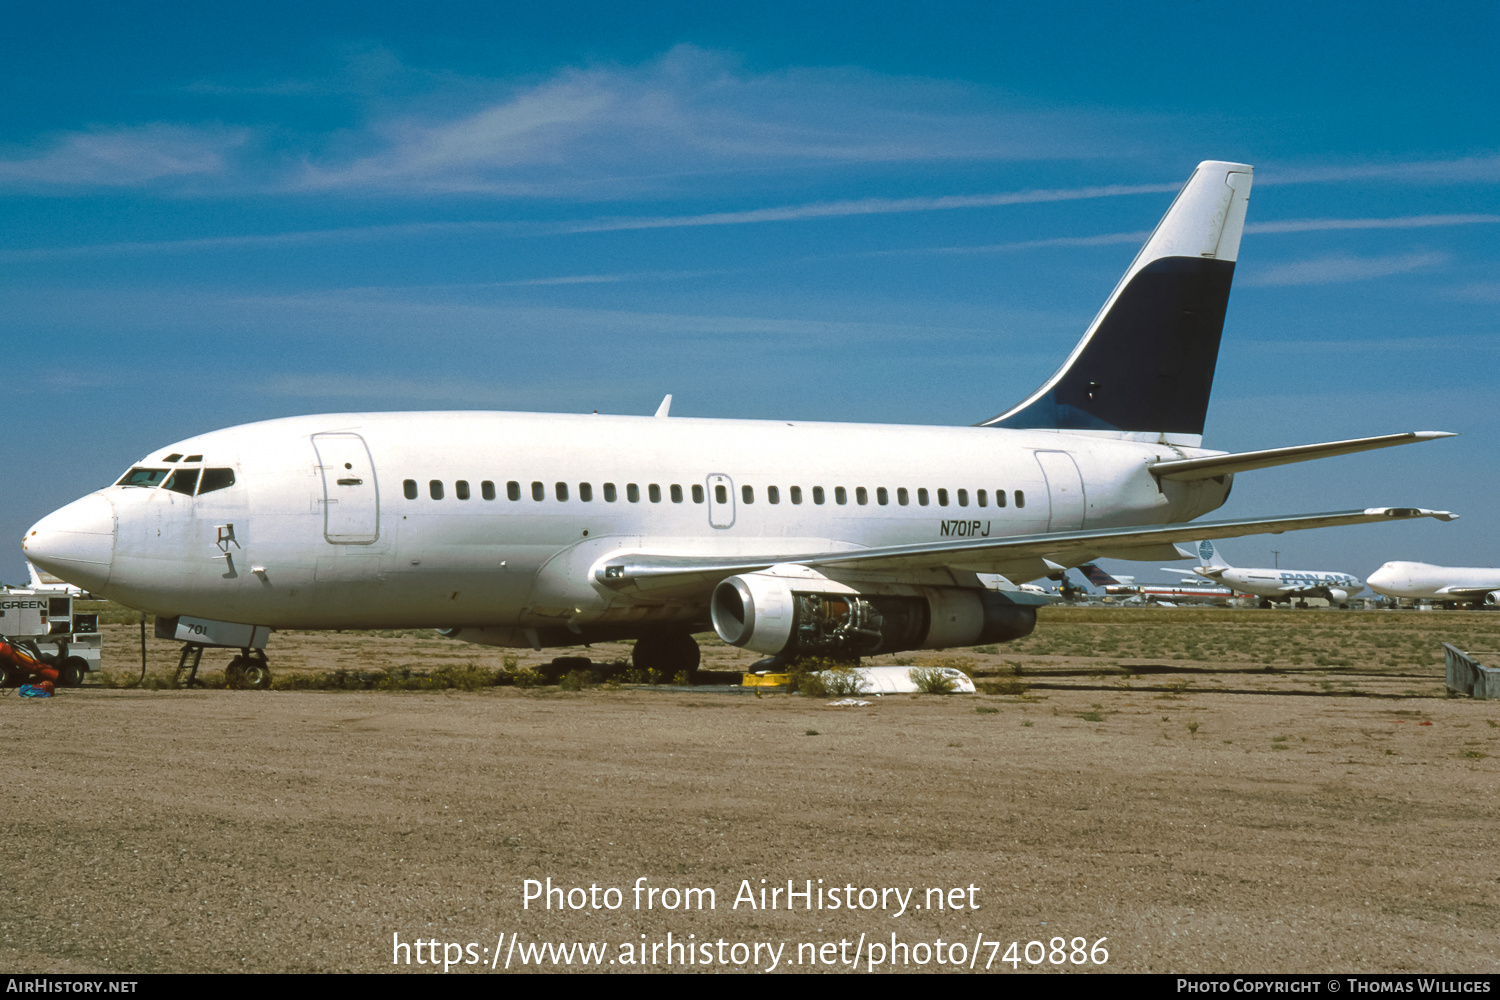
[(1154, 593), (529, 529), (1271, 585), (1452, 584)]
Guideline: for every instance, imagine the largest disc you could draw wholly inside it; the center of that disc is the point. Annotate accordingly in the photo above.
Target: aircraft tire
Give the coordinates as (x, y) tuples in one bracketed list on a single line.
[(668, 653), (234, 674), (255, 675)]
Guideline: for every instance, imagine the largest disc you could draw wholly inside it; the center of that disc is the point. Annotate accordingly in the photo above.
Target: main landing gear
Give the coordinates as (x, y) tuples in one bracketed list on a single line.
[(668, 653)]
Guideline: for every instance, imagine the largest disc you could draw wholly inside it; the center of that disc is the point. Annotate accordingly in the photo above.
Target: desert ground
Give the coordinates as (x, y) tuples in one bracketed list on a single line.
[(1210, 790)]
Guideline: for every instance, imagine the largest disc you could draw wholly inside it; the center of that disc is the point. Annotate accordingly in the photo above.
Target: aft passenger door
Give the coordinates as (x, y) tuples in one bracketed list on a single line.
[(1064, 490), (720, 501), (351, 499)]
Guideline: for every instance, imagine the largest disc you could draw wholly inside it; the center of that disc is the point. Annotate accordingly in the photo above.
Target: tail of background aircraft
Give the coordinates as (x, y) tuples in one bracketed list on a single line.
[(1097, 576), (1146, 363), (1204, 552)]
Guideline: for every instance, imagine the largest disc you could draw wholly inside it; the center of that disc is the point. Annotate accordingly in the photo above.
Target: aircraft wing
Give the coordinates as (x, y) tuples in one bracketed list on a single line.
[(1465, 593), (647, 573)]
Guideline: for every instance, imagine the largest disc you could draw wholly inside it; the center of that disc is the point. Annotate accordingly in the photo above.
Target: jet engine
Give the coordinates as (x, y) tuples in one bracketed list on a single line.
[(1337, 596), (805, 613), (1492, 599)]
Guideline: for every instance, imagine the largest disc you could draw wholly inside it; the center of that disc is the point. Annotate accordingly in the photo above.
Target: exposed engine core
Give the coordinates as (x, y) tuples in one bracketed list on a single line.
[(811, 615)]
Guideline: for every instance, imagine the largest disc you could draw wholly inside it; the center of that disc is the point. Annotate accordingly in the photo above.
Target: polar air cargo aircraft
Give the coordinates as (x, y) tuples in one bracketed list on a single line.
[(1270, 585), (541, 530)]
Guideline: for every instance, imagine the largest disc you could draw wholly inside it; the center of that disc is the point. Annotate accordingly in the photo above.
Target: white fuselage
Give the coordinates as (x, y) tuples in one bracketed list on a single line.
[(1287, 583), (320, 530), (1423, 581)]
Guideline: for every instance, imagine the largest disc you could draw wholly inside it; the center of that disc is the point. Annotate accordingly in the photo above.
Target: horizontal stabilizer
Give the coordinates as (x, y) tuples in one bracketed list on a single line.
[(1188, 469)]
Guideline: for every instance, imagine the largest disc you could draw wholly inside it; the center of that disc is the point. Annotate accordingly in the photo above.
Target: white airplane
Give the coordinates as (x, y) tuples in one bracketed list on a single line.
[(1270, 585), (46, 583), (1153, 593), (1451, 584), (789, 537)]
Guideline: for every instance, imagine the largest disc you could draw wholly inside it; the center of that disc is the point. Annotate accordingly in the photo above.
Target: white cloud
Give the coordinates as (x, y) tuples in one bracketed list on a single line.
[(1402, 222), (122, 157), (1342, 267), (1470, 169), (693, 112)]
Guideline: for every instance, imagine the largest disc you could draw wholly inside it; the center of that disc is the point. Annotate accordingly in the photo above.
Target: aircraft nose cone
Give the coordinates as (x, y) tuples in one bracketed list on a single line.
[(75, 543)]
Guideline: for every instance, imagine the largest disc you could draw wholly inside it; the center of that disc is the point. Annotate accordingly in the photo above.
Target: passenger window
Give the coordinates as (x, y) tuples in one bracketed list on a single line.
[(562, 490), (796, 492), (721, 494), (487, 490), (773, 494), (183, 481), (609, 493), (963, 498), (654, 492), (747, 493), (922, 496), (513, 490), (999, 498), (983, 497), (861, 496), (632, 493), (942, 498), (435, 488), (840, 495), (218, 479), (148, 478), (676, 493), (1020, 498), (586, 492), (882, 497), (697, 493), (902, 497), (817, 494), (461, 489), (538, 491)]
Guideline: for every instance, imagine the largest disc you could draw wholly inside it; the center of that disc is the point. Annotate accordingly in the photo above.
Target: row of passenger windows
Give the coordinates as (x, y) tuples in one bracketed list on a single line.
[(562, 491)]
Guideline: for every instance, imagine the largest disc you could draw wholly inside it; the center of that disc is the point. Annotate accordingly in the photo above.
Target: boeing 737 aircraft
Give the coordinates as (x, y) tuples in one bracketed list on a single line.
[(1271, 585), (544, 530), (1452, 585)]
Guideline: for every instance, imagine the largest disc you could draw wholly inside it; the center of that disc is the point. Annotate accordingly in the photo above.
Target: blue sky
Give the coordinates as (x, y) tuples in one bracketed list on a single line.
[(896, 213)]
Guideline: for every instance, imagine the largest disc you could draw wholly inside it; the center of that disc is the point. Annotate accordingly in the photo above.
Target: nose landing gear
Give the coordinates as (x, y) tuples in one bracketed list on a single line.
[(248, 671)]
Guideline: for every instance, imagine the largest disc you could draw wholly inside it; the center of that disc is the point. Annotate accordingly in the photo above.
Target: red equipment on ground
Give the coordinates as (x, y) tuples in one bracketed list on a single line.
[(21, 666)]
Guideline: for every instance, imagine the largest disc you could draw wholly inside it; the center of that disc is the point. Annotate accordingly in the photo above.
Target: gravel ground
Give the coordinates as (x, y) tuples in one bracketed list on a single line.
[(1200, 817)]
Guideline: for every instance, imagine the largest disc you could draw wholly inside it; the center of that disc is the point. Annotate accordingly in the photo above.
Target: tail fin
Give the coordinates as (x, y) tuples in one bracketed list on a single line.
[(1146, 364), (1204, 552), (1097, 576)]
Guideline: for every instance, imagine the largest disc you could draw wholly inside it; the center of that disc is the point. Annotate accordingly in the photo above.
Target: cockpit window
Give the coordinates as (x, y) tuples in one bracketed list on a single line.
[(175, 456), (183, 481), (149, 478), (193, 458), (215, 479)]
